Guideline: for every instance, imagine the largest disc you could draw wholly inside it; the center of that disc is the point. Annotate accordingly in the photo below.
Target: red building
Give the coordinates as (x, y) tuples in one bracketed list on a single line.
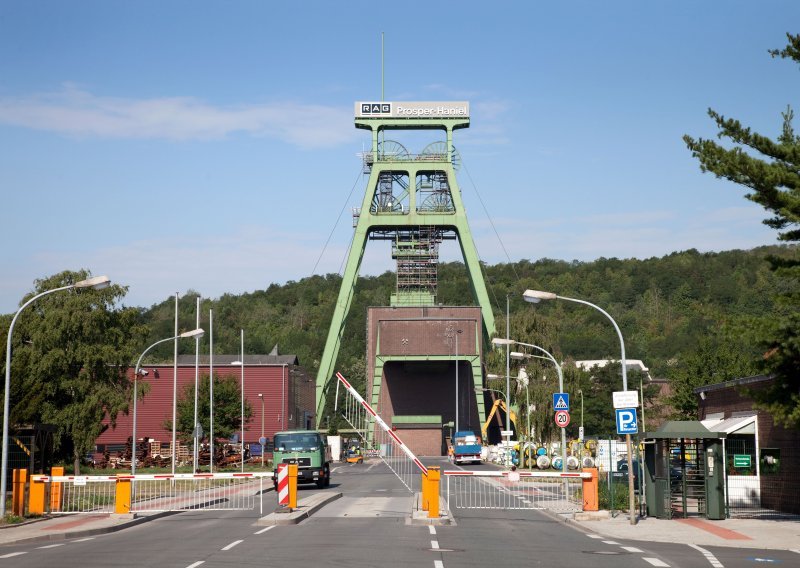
[(287, 403)]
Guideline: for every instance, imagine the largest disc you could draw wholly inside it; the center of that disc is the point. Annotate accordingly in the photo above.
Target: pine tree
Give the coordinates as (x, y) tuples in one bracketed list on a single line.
[(770, 169)]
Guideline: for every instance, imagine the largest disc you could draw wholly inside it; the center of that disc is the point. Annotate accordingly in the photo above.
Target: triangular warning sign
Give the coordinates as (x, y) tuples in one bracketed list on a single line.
[(561, 404)]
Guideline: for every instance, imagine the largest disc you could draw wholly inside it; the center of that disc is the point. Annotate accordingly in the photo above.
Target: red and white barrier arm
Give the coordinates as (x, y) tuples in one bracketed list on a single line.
[(382, 424)]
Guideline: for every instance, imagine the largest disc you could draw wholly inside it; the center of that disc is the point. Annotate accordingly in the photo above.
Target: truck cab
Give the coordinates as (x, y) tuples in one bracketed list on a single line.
[(309, 450)]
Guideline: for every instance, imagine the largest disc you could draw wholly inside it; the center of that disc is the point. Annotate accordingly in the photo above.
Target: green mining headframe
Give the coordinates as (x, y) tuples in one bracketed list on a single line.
[(412, 200)]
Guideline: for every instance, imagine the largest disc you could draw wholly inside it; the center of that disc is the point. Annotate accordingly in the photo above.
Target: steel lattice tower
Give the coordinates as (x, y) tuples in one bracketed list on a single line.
[(413, 201)]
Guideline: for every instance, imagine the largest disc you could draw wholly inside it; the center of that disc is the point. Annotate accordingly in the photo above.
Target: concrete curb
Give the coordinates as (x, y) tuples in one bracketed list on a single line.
[(305, 508), (89, 532)]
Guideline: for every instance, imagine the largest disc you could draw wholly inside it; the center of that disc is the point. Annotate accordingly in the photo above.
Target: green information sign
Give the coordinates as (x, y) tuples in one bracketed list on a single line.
[(741, 460)]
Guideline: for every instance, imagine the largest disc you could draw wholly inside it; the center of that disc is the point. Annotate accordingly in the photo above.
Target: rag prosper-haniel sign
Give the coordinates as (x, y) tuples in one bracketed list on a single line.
[(384, 109)]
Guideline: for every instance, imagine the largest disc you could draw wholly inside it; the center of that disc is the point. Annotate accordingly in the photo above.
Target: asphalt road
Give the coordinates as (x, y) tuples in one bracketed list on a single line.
[(369, 526)]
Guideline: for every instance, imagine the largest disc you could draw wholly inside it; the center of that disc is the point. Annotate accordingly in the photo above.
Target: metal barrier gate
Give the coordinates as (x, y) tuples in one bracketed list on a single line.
[(65, 494), (557, 491)]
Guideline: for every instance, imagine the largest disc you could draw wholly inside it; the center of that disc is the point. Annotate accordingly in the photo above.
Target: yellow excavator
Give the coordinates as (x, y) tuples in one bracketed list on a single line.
[(502, 405)]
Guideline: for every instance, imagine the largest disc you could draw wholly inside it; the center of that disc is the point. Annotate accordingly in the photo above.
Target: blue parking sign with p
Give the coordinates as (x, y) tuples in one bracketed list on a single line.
[(626, 421)]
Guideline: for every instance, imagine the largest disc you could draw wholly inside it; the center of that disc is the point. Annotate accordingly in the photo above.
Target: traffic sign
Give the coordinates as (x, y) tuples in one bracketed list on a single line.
[(626, 421), (262, 440), (580, 433), (626, 399), (562, 418), (560, 401)]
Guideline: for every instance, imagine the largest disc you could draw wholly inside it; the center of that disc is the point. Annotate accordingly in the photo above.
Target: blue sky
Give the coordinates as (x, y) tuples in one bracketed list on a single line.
[(210, 145)]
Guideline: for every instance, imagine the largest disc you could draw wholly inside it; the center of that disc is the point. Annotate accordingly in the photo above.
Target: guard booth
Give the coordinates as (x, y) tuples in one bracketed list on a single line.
[(684, 471)]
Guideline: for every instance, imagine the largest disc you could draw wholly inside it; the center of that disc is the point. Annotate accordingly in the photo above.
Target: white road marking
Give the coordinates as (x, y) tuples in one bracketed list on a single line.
[(594, 536), (231, 545), (84, 539), (656, 562), (196, 564), (610, 542), (438, 564), (709, 556), (797, 550), (13, 554), (50, 546), (632, 549), (434, 544), (431, 529), (262, 531)]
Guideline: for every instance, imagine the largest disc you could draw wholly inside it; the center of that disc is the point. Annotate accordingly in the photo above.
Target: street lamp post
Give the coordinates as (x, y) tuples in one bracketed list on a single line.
[(241, 363), (548, 355), (261, 396), (196, 333), (458, 332), (98, 283), (536, 296)]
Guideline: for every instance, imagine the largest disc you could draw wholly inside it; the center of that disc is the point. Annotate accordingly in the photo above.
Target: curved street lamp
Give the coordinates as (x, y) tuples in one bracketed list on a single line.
[(536, 296), (97, 283), (198, 333)]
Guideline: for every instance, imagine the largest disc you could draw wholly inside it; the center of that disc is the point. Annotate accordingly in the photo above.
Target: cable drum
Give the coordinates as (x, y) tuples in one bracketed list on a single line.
[(588, 461), (572, 462), (542, 462)]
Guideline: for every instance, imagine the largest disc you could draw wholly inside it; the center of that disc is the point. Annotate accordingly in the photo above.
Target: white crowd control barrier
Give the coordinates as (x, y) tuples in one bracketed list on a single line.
[(378, 437), (555, 491)]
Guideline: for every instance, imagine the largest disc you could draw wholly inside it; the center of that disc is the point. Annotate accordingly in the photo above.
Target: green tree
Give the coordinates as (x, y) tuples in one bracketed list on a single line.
[(716, 360), (71, 351), (770, 169), (227, 408)]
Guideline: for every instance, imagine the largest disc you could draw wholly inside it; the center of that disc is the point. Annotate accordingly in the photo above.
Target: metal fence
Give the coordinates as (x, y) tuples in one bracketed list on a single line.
[(556, 491), (154, 493)]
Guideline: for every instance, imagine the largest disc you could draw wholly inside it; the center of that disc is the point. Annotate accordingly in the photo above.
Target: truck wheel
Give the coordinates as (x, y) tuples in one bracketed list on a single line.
[(325, 480)]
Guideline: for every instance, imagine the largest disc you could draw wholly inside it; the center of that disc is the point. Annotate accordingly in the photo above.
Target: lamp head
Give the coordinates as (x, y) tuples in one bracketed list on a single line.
[(518, 356), (96, 282), (197, 333), (536, 296), (499, 341)]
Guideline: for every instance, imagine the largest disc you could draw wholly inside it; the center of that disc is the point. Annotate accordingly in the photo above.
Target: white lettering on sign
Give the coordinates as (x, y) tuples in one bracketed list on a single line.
[(626, 399), (412, 110)]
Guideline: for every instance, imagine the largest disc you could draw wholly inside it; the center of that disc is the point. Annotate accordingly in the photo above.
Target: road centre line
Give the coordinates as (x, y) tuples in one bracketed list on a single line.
[(50, 546), (656, 562), (632, 549), (435, 544), (431, 529), (84, 539), (595, 536), (438, 564), (231, 545), (709, 556), (611, 542), (13, 554), (196, 564), (262, 531)]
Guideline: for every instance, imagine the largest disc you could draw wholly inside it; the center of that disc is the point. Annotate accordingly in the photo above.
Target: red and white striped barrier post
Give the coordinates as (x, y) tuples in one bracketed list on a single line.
[(283, 484)]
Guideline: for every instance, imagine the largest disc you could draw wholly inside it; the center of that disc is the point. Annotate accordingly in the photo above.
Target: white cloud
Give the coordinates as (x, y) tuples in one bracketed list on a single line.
[(76, 112)]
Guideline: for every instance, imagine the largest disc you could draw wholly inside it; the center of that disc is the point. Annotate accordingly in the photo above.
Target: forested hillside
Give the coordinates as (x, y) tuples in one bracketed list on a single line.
[(691, 317)]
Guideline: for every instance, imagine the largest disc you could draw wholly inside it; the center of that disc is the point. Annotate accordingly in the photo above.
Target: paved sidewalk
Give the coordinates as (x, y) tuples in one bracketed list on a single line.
[(739, 533)]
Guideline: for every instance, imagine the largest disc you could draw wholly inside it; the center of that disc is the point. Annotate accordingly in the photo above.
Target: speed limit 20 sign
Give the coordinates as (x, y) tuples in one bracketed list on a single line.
[(562, 418)]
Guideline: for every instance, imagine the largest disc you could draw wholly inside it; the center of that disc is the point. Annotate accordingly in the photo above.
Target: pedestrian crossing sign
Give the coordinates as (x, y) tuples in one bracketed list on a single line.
[(560, 401)]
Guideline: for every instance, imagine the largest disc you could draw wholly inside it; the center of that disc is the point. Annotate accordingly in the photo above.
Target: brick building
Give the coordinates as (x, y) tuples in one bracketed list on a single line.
[(768, 454), (288, 397)]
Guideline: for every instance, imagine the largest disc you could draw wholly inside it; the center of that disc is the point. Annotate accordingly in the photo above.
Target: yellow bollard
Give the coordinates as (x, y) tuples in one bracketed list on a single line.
[(55, 489), (292, 486), (122, 498), (36, 496), (18, 479), (424, 491), (591, 501), (434, 475)]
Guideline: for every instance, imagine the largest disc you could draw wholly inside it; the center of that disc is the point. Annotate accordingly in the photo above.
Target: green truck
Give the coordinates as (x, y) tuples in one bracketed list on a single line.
[(309, 450)]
